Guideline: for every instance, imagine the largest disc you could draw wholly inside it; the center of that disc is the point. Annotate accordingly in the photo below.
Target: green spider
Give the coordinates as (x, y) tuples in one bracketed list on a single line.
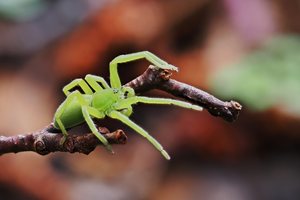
[(115, 101)]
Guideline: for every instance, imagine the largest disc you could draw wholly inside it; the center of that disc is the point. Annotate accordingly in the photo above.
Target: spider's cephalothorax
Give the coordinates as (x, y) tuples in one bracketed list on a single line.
[(115, 101), (108, 100)]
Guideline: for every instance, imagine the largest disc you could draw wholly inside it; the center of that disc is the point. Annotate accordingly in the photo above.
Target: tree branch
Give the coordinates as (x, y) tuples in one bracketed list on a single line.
[(160, 79), (48, 139)]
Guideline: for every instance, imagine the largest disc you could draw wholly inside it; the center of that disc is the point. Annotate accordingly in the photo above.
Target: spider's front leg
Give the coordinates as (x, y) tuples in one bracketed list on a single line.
[(89, 111), (63, 118), (151, 100), (114, 77), (119, 116)]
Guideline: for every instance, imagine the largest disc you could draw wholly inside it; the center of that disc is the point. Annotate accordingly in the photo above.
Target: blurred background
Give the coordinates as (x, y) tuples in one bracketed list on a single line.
[(247, 51)]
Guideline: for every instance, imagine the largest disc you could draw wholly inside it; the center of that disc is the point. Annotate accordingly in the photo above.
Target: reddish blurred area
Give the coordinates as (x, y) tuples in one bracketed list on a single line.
[(256, 157)]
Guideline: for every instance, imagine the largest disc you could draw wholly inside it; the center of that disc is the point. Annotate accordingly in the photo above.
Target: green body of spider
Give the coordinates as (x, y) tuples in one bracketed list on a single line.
[(115, 101)]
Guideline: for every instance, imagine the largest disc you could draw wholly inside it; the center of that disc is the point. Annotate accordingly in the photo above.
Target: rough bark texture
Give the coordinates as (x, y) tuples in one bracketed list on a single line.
[(48, 140)]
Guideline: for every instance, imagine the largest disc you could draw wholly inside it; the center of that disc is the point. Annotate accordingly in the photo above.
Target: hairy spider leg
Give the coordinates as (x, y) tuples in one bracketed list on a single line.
[(61, 109), (152, 100), (114, 76), (75, 83), (119, 116), (94, 81), (89, 111)]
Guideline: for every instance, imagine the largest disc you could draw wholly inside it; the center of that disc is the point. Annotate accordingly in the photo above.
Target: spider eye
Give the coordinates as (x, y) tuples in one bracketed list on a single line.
[(115, 90), (126, 93)]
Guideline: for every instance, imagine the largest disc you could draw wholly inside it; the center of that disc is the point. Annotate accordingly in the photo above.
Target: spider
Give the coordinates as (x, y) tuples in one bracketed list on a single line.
[(100, 100)]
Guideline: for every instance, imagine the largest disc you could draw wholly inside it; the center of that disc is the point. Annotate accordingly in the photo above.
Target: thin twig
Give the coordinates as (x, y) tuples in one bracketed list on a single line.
[(154, 78)]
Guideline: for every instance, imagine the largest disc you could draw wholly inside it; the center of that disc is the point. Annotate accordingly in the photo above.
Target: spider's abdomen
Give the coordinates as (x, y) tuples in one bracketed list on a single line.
[(72, 115), (104, 99)]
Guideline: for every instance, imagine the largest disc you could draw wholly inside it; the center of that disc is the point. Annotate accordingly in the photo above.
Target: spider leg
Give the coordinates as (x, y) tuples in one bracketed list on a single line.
[(87, 112), (141, 131), (77, 82), (94, 81), (128, 91), (60, 111), (151, 100), (114, 77)]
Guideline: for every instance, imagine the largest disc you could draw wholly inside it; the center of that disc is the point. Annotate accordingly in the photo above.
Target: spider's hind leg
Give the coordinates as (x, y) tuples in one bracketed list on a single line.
[(94, 81), (75, 83)]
